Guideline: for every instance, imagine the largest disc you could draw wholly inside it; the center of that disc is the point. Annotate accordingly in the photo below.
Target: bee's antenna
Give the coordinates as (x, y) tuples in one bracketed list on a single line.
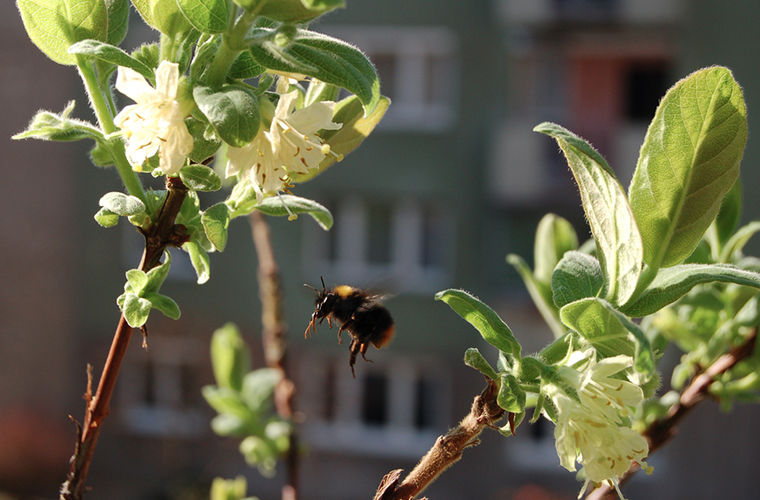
[(309, 286), (323, 283)]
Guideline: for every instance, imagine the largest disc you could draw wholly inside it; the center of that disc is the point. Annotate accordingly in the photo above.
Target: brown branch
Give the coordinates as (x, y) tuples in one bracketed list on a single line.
[(448, 449), (662, 430), (274, 339), (164, 232)]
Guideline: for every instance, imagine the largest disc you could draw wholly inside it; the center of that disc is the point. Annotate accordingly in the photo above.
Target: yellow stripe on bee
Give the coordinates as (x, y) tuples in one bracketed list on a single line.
[(344, 290)]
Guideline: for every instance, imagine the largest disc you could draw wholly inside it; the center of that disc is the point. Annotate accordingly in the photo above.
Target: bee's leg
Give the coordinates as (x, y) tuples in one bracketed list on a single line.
[(345, 326), (363, 349), (352, 360), (311, 326)]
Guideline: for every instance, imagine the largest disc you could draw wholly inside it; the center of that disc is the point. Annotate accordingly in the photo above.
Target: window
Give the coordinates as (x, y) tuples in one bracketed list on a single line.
[(399, 244), (645, 84), (161, 393), (391, 409), (417, 71)]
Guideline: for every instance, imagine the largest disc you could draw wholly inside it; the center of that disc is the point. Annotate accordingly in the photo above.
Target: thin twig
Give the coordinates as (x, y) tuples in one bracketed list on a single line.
[(164, 232), (448, 449), (659, 432), (274, 339)]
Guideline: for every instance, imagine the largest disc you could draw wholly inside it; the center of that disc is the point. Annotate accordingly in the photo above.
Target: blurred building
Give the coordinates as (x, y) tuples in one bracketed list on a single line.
[(452, 181)]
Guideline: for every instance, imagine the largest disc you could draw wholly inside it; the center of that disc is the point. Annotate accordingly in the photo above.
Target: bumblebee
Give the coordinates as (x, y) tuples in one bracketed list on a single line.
[(359, 313)]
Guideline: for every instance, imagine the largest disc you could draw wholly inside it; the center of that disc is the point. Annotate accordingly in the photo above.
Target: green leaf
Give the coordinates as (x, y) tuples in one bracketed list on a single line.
[(164, 304), (118, 20), (355, 128), (245, 67), (225, 400), (578, 275), (294, 11), (233, 111), (122, 204), (207, 16), (674, 282), (101, 156), (320, 91), (540, 292), (163, 15), (108, 53), (475, 360), (230, 358), (258, 387), (158, 274), (511, 396), (688, 162), (226, 424), (200, 178), (136, 310), (530, 369), (554, 237), (609, 331), (106, 218), (59, 127), (730, 213), (216, 220), (483, 318), (53, 25), (205, 141), (288, 204), (147, 54), (322, 57), (199, 259), (137, 281), (735, 244), (608, 213)]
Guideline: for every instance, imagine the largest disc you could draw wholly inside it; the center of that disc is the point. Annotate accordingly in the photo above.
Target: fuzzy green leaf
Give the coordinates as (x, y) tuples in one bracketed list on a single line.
[(609, 331), (578, 275), (322, 57), (554, 236), (258, 387), (216, 220), (276, 205), (136, 310), (157, 275), (233, 111), (736, 242), (53, 25), (118, 20), (137, 280), (106, 218), (483, 318), (49, 126), (608, 213), (207, 16), (109, 53), (200, 178), (294, 11), (122, 204), (199, 259), (165, 304), (511, 396), (475, 360), (230, 358), (672, 283), (688, 162)]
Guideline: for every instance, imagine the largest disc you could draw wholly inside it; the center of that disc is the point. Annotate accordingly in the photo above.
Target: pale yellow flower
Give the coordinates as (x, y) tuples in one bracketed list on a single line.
[(595, 431), (290, 146), (156, 123)]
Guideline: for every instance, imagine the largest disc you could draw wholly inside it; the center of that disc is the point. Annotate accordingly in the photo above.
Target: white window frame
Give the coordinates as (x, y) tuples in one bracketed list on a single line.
[(346, 432), (167, 416), (404, 271)]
